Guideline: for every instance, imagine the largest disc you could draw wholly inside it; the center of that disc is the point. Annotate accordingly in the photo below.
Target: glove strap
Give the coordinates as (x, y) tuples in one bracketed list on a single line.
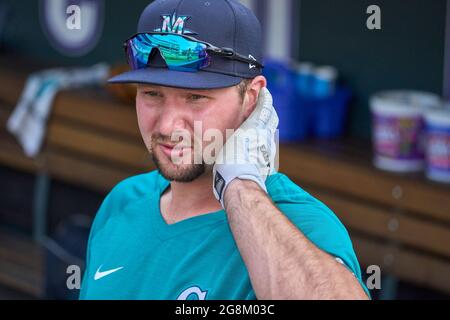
[(223, 176)]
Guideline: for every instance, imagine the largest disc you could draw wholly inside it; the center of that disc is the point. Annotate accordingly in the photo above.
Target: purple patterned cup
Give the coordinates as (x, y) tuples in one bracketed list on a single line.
[(398, 129)]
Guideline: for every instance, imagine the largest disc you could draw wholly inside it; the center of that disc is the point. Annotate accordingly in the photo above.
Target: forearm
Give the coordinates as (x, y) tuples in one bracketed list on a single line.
[(282, 262)]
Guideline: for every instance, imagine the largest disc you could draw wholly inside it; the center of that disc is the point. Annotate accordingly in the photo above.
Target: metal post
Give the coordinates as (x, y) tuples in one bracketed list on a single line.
[(40, 206)]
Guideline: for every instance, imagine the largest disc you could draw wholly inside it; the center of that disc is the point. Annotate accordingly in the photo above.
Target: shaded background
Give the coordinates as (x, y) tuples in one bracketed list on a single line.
[(408, 53)]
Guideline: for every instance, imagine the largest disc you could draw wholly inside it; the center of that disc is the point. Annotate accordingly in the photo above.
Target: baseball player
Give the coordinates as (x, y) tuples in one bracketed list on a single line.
[(215, 220)]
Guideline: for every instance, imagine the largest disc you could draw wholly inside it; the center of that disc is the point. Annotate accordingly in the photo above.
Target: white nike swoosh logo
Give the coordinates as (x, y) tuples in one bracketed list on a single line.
[(251, 66), (100, 274)]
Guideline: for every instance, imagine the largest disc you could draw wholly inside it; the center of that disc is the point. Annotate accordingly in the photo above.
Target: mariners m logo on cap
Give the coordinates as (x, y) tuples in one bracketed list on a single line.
[(174, 24)]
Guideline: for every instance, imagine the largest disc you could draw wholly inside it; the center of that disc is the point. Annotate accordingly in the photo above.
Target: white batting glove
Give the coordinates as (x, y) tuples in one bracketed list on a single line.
[(250, 152)]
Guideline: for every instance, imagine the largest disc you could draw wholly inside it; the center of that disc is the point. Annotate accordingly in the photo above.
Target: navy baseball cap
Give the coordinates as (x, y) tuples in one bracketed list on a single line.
[(223, 23)]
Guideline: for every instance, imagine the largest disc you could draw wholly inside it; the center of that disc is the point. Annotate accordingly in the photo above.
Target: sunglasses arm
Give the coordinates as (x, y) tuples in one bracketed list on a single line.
[(231, 54)]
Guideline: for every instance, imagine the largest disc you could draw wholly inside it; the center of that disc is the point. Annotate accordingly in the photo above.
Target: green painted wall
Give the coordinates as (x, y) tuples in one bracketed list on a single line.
[(408, 52), (25, 35)]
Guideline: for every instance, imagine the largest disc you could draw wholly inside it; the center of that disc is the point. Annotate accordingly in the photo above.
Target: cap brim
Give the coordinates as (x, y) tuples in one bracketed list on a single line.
[(177, 79)]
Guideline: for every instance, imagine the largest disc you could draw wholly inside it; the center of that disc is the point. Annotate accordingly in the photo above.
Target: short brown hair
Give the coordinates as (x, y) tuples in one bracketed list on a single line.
[(242, 88)]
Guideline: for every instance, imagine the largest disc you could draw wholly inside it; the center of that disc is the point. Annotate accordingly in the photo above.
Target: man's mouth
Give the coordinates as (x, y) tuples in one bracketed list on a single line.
[(173, 150)]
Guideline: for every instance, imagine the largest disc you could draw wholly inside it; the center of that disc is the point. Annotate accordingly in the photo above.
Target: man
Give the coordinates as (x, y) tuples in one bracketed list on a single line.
[(225, 226)]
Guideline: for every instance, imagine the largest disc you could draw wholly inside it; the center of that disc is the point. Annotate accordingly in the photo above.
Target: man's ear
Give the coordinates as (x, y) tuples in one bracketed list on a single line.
[(252, 93)]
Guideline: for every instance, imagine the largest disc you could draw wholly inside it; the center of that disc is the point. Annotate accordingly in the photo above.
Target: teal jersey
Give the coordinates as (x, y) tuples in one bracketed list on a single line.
[(134, 254)]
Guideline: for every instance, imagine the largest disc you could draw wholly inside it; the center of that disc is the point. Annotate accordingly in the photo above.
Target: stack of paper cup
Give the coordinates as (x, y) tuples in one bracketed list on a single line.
[(305, 77), (325, 78), (397, 129), (438, 144), (316, 82)]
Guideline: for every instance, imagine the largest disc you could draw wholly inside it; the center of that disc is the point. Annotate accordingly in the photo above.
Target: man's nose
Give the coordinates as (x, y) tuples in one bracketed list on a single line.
[(173, 118)]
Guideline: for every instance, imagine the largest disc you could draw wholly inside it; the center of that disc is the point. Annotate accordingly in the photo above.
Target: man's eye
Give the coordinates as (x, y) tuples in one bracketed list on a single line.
[(196, 97), (152, 93)]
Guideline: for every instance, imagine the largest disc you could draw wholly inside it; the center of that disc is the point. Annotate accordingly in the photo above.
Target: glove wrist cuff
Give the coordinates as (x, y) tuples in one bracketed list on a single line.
[(224, 174)]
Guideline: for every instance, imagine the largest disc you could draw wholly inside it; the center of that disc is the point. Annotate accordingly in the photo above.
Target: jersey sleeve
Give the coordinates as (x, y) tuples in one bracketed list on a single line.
[(321, 226), (316, 221)]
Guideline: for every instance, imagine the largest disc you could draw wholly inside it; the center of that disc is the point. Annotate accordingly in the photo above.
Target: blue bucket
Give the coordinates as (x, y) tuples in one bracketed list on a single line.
[(293, 114), (330, 114)]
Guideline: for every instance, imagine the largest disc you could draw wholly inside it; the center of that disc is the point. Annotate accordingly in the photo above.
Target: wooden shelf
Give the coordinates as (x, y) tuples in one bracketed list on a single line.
[(338, 166)]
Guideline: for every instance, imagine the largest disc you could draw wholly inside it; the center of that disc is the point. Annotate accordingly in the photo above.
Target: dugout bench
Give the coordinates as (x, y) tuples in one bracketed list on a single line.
[(398, 222)]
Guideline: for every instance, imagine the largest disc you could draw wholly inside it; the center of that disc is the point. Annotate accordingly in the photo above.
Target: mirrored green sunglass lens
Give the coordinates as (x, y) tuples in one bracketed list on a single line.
[(179, 53)]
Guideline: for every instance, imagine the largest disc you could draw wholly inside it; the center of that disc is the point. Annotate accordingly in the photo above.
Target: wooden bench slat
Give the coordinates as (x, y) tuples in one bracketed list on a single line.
[(364, 182), (406, 264), (86, 174), (92, 108), (99, 146), (66, 168), (12, 85), (375, 221)]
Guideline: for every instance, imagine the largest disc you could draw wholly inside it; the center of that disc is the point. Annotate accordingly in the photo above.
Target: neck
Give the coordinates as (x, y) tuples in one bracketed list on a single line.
[(186, 200)]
